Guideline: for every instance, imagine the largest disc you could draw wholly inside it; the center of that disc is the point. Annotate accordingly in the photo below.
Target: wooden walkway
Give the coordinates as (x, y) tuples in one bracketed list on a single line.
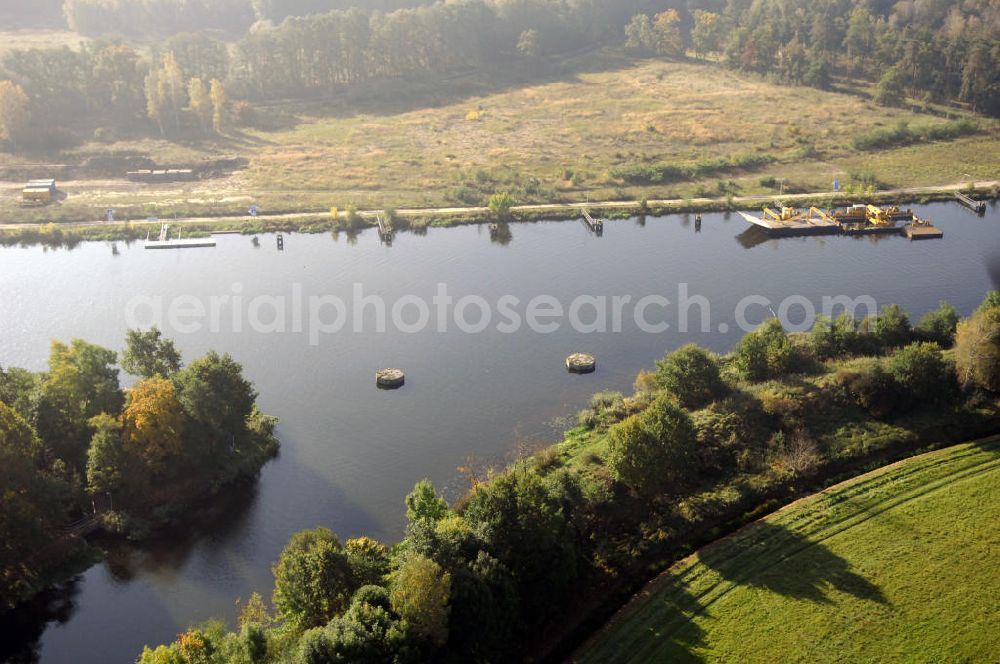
[(85, 526), (979, 207), (385, 231), (595, 225)]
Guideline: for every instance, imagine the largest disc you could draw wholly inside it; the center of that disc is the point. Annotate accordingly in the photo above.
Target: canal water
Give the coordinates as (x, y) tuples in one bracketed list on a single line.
[(350, 453)]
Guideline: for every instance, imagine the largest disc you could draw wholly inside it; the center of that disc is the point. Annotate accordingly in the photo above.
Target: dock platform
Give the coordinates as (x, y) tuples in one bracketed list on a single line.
[(186, 243), (870, 230), (163, 241), (799, 225), (855, 220), (922, 232)]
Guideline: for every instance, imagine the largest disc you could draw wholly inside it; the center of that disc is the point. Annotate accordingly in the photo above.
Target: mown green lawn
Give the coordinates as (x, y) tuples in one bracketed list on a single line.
[(900, 565)]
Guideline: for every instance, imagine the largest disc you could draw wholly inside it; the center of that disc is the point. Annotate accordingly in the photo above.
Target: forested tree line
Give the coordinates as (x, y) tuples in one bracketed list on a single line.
[(702, 442), (72, 441), (36, 14), (50, 98), (149, 18), (939, 48), (927, 49)]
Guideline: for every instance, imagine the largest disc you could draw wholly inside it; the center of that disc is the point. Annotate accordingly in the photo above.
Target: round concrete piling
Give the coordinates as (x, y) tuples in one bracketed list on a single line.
[(389, 379), (581, 363)]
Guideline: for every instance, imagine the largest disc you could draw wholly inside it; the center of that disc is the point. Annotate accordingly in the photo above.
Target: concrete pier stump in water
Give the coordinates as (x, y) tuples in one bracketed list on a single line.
[(581, 363), (389, 379)]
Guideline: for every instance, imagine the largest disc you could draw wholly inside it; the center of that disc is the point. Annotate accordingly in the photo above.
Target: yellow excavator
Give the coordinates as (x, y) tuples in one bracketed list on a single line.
[(880, 217), (825, 216), (784, 214)]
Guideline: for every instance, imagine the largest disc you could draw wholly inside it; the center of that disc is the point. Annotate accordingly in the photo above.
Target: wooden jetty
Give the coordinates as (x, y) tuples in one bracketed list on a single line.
[(979, 207), (385, 231), (164, 242), (595, 225), (88, 525)]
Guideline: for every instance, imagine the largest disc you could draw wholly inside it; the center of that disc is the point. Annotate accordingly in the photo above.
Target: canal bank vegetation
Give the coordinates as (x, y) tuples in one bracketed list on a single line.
[(501, 207), (81, 454), (538, 555)]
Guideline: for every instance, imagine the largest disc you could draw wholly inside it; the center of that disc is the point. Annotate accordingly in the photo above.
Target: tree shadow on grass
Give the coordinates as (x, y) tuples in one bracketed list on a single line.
[(772, 557), (389, 97), (764, 555), (658, 628)]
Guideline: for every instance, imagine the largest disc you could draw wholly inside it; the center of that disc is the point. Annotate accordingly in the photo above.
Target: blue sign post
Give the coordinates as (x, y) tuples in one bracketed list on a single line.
[(836, 185), (253, 210), (111, 215)]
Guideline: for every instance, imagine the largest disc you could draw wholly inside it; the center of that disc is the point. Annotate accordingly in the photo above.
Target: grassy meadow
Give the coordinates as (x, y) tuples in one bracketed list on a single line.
[(12, 40), (560, 140), (896, 565)]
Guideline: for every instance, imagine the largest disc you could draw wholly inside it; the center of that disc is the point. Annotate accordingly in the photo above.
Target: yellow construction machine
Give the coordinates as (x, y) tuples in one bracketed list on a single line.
[(785, 214), (880, 216)]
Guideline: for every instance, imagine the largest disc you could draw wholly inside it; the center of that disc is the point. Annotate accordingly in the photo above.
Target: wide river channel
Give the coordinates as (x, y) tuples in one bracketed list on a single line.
[(476, 390)]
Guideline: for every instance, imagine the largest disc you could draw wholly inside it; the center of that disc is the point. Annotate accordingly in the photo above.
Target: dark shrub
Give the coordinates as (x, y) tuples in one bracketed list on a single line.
[(692, 375), (922, 372), (653, 451), (938, 326), (891, 327), (765, 353), (874, 390)]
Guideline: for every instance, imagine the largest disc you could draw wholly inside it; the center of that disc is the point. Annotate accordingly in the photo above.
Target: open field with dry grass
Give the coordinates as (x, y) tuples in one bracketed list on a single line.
[(558, 141), (11, 40)]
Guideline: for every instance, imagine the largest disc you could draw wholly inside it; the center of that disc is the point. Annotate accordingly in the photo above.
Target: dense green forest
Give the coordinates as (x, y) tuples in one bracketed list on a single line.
[(73, 444), (555, 542), (928, 51)]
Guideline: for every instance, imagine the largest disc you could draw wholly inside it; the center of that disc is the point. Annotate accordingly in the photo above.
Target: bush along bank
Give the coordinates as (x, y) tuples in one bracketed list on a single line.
[(536, 555), (79, 454)]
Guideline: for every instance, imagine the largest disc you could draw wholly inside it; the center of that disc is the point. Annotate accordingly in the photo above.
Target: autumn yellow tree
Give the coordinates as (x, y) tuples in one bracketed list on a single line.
[(667, 26), (13, 111), (420, 594), (201, 102), (218, 105), (156, 97), (153, 422), (977, 349), (165, 92), (707, 33), (173, 77)]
